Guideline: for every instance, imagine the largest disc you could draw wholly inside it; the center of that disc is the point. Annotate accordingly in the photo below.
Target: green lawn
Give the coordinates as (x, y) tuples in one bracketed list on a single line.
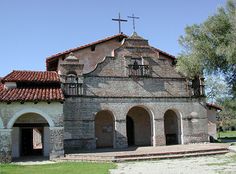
[(58, 168), (227, 134)]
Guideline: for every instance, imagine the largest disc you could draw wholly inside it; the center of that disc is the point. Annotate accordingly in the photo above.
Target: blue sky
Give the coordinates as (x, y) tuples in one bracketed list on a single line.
[(31, 30)]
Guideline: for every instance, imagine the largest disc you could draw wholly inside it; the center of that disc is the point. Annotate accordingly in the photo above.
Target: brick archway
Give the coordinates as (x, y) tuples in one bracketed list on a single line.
[(104, 129), (172, 127), (29, 110), (138, 127), (30, 135)]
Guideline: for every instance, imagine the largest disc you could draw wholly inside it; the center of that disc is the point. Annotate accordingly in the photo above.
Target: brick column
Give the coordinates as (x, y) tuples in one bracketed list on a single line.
[(120, 134), (159, 135), (56, 142), (5, 145)]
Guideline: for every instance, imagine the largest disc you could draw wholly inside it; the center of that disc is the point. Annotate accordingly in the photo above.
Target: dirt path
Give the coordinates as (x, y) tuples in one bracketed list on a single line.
[(223, 164)]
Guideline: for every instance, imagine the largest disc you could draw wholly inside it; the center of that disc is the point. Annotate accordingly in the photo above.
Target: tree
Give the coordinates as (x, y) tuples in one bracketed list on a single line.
[(227, 117), (216, 88), (210, 47)]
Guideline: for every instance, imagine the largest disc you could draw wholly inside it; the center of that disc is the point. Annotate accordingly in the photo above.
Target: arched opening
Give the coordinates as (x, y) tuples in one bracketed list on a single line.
[(172, 128), (30, 136), (104, 129), (138, 127)]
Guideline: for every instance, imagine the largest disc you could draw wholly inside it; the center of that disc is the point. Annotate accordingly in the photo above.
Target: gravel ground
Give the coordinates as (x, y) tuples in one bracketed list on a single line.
[(219, 164)]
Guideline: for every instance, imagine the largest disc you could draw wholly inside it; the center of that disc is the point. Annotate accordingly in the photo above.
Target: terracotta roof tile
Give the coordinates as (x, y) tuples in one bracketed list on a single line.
[(211, 105), (32, 76), (1, 86), (31, 94)]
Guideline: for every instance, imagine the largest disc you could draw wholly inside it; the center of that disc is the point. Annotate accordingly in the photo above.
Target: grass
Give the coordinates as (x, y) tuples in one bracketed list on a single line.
[(227, 134), (58, 168)]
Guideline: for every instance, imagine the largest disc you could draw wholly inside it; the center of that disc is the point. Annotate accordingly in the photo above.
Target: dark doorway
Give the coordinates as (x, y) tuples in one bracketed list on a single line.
[(138, 127), (31, 141), (26, 142), (130, 130), (171, 128)]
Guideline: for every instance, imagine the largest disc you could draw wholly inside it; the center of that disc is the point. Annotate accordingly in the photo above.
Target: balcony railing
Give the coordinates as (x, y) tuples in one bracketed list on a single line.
[(197, 87), (139, 70), (72, 89)]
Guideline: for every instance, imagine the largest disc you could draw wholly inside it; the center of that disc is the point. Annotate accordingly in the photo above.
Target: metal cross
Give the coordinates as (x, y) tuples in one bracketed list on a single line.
[(133, 17), (119, 21)]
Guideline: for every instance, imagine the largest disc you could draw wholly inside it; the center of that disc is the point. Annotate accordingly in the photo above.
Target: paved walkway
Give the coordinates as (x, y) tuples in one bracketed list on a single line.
[(130, 151), (149, 149), (219, 164)]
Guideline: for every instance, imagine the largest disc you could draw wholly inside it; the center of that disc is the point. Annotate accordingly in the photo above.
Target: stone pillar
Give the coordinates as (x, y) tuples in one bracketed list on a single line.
[(5, 145), (195, 130), (120, 134), (56, 142), (159, 134)]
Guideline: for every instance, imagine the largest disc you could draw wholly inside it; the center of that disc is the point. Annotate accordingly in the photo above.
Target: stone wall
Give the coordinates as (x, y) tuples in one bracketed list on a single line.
[(5, 145), (80, 114), (128, 87)]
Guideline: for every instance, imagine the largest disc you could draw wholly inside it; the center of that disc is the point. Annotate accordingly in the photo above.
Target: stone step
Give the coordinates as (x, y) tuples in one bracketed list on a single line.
[(170, 156), (143, 156), (136, 154), (171, 153)]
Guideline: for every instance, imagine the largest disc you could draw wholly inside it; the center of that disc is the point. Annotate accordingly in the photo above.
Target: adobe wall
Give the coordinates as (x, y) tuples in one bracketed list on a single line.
[(91, 58)]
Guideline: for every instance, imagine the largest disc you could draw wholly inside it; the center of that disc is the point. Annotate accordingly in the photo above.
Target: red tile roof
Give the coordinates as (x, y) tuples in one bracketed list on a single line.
[(31, 94), (85, 46), (32, 76), (211, 105), (1, 86)]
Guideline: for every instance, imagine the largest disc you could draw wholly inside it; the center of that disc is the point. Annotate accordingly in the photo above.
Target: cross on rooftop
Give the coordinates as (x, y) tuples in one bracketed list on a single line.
[(119, 20), (133, 17)]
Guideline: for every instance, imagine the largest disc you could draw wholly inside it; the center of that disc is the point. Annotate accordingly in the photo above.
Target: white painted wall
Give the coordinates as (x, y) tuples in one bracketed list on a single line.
[(211, 114), (52, 112), (15, 142)]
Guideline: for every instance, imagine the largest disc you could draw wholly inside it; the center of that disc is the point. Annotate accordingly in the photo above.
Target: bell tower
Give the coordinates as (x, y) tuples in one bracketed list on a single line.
[(71, 75)]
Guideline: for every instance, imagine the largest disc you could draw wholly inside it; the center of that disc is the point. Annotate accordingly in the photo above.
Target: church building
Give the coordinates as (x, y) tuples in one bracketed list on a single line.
[(112, 93)]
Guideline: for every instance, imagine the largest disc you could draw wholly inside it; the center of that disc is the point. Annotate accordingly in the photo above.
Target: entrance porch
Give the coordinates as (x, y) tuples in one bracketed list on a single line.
[(147, 153)]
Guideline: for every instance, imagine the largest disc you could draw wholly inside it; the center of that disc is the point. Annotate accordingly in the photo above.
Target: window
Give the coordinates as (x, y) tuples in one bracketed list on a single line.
[(71, 78), (137, 68), (71, 86), (93, 47)]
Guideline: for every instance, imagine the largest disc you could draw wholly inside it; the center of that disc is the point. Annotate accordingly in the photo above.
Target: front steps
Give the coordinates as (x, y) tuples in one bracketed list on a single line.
[(148, 153)]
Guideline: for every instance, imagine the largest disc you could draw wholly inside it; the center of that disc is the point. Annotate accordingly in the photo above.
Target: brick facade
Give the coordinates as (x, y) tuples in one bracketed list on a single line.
[(118, 92), (112, 87)]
